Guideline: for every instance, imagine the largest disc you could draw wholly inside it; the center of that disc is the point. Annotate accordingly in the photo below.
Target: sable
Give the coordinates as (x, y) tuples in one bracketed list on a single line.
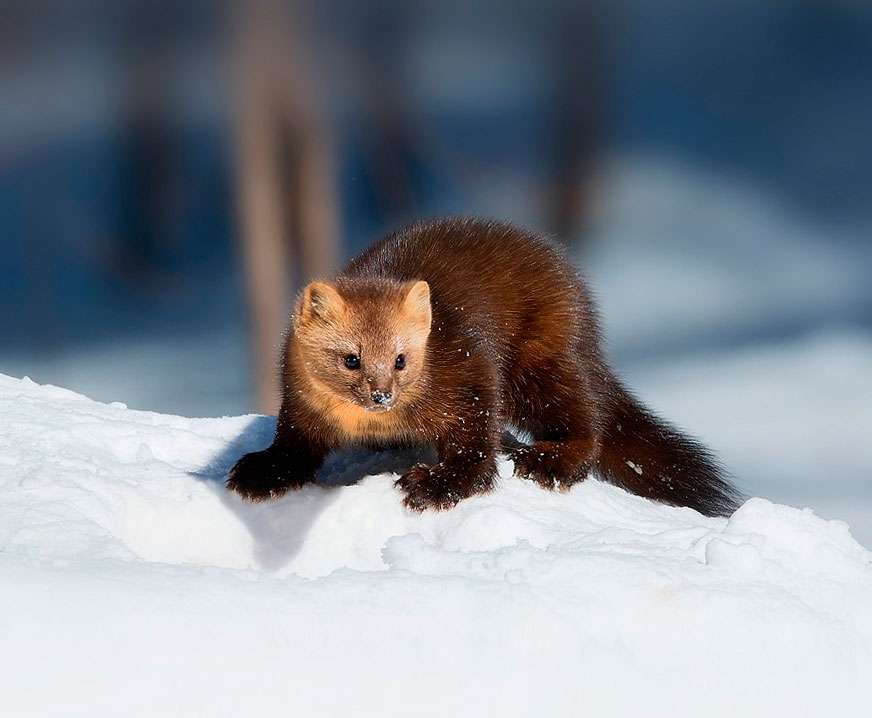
[(446, 332)]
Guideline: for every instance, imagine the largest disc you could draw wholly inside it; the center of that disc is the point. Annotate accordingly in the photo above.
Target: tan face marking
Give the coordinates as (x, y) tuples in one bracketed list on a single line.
[(346, 341)]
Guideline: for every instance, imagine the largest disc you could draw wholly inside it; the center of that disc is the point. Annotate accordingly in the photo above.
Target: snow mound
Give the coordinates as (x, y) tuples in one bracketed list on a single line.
[(133, 583)]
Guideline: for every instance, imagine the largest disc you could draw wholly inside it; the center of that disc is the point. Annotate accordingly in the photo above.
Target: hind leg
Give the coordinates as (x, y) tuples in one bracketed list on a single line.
[(554, 464), (564, 422)]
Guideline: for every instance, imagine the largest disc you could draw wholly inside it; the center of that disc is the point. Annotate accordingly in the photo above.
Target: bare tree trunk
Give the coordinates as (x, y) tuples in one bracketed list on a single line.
[(286, 182), (579, 62)]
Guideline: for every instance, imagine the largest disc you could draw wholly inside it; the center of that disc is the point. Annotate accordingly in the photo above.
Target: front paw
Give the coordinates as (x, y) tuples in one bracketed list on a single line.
[(266, 475), (425, 487), (441, 486)]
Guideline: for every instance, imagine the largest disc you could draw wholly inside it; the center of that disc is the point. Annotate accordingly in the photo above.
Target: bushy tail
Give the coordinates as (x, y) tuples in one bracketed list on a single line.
[(644, 454)]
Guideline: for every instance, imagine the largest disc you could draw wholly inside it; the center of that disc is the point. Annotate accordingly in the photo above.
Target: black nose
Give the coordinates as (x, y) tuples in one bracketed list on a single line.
[(380, 397)]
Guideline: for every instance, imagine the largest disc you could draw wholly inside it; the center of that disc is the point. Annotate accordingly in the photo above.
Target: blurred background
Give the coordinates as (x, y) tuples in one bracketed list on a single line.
[(171, 171)]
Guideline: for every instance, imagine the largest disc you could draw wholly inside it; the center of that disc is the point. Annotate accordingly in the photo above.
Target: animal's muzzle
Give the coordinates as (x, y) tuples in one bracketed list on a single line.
[(380, 397)]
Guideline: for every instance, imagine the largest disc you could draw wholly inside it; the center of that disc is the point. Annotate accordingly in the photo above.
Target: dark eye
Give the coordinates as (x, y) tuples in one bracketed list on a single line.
[(400, 363), (352, 361)]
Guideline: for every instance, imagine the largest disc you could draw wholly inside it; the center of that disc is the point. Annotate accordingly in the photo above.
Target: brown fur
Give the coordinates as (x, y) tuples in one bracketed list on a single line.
[(496, 328)]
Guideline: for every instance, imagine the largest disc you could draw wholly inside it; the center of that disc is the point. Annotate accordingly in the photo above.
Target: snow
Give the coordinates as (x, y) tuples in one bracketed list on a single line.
[(681, 256), (133, 584)]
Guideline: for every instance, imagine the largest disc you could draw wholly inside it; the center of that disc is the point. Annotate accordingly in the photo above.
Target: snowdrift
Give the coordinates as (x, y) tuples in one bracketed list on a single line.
[(132, 583)]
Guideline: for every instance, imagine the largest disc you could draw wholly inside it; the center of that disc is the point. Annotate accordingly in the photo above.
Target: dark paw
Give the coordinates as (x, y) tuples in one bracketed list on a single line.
[(265, 475), (438, 487), (545, 469)]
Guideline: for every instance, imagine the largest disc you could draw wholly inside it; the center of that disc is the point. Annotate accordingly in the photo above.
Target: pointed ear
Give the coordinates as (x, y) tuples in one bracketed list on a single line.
[(319, 302), (416, 305)]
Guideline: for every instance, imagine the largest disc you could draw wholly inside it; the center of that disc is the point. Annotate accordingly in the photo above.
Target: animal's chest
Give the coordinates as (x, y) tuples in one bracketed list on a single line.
[(359, 426)]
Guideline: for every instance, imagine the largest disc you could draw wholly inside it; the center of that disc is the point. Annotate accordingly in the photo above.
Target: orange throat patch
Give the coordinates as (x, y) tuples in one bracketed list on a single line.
[(352, 421)]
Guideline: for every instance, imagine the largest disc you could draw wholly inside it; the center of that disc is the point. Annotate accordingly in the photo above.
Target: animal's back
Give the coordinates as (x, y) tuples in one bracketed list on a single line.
[(474, 258), (514, 288)]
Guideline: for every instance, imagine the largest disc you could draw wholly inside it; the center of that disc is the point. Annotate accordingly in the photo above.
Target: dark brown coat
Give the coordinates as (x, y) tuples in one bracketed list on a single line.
[(447, 332)]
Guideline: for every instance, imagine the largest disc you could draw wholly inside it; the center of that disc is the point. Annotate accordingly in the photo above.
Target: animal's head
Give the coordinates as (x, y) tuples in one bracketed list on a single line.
[(363, 341)]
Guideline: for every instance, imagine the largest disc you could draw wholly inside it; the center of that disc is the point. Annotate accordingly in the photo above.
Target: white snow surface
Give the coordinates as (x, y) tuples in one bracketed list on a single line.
[(131, 583)]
